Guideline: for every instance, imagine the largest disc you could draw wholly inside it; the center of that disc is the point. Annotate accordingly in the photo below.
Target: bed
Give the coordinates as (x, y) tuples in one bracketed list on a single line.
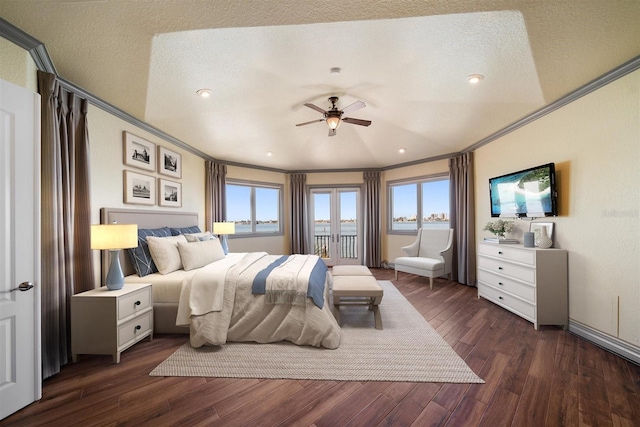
[(238, 314)]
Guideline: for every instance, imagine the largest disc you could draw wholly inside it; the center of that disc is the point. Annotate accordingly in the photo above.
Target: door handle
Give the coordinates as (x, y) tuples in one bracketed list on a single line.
[(24, 286)]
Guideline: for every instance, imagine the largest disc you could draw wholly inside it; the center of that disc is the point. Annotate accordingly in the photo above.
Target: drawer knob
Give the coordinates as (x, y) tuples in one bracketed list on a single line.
[(499, 268), (136, 303), (500, 283), (138, 327), (499, 297), (499, 252)]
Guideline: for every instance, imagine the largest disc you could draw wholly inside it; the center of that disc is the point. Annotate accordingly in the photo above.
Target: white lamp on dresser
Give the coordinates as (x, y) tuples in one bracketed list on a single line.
[(222, 229)]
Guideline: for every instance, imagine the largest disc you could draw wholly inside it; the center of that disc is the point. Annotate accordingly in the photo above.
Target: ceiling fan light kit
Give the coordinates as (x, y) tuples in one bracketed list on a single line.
[(333, 116)]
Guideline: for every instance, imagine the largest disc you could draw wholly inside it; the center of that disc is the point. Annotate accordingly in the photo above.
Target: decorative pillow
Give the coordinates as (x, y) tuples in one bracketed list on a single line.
[(199, 254), (140, 256), (185, 230), (164, 251), (198, 237)]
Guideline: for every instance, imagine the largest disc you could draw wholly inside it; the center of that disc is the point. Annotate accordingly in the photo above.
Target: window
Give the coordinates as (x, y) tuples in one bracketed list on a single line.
[(418, 203), (256, 208)]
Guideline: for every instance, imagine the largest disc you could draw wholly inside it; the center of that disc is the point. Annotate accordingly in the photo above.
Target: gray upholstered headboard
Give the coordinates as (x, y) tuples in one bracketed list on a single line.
[(144, 219)]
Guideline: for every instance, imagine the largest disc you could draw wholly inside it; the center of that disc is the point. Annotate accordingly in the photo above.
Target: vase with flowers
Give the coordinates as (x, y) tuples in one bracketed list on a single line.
[(500, 228)]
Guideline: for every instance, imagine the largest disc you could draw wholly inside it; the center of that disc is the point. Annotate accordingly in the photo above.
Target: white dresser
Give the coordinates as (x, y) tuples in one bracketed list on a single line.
[(109, 322), (530, 282)]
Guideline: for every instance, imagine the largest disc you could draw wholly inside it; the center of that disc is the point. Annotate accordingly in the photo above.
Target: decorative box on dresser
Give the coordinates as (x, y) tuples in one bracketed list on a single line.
[(109, 322), (529, 282)]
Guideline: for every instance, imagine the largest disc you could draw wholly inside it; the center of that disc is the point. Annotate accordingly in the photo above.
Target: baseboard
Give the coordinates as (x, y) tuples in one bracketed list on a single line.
[(612, 344)]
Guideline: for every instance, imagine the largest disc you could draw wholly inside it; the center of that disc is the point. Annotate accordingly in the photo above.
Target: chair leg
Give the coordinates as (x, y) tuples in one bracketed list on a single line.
[(431, 283), (396, 274)]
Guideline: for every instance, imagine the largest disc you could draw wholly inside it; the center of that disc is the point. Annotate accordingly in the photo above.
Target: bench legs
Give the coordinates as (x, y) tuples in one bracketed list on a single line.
[(372, 302)]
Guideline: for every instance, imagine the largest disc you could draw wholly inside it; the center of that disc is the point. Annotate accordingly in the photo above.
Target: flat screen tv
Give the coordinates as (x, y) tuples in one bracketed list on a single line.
[(526, 193)]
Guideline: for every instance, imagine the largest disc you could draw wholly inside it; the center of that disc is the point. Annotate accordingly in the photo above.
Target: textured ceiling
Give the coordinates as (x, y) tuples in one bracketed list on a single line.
[(407, 60)]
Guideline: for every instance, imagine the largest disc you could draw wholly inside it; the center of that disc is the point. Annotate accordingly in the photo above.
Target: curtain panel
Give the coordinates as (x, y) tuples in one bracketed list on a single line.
[(462, 217), (215, 189), (371, 204), (67, 263), (299, 234)]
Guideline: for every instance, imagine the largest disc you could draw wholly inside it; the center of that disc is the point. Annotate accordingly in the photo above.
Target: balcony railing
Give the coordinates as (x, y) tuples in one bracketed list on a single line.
[(348, 246)]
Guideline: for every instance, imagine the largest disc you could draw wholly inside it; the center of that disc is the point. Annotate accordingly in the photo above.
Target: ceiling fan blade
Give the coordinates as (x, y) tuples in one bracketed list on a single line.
[(315, 107), (308, 123), (332, 132), (359, 122), (355, 106)]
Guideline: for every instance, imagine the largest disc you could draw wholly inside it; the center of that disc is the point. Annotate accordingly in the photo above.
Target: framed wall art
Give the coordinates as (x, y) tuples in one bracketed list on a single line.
[(169, 193), (139, 152), (169, 163), (139, 189)]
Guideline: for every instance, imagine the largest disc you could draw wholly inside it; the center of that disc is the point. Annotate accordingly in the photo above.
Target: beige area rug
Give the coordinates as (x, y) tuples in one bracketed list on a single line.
[(408, 349)]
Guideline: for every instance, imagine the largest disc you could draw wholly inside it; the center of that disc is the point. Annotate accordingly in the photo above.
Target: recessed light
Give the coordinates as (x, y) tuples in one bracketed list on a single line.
[(268, 154), (205, 93), (402, 150), (475, 78), (335, 71)]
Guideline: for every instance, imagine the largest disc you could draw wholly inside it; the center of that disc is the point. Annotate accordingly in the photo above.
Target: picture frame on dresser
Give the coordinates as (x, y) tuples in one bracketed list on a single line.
[(537, 227), (169, 163), (139, 189), (169, 193), (138, 152)]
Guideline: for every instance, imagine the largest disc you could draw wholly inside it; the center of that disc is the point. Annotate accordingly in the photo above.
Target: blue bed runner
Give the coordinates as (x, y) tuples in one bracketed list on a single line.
[(315, 290)]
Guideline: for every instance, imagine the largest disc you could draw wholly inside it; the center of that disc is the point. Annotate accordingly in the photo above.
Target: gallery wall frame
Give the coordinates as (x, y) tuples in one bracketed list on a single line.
[(138, 152), (169, 193), (139, 189), (169, 163)]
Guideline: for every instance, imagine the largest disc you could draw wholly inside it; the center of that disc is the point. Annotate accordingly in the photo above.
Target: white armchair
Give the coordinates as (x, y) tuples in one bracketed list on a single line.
[(429, 256)]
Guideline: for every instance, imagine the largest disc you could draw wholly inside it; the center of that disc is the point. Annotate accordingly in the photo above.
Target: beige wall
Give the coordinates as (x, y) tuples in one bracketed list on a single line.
[(16, 66), (595, 144)]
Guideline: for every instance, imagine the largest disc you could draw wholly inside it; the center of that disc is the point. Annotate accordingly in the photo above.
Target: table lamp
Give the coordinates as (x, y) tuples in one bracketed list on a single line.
[(114, 237), (222, 229)]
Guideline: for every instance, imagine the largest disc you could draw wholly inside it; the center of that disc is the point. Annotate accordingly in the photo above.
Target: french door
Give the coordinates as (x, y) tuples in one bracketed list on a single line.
[(336, 229)]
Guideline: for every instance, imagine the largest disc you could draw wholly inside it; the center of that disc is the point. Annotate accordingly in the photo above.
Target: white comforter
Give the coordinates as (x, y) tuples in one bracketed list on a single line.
[(218, 305)]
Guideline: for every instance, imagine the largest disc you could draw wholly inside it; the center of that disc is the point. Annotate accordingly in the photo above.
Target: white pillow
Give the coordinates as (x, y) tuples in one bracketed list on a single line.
[(198, 237), (199, 254), (164, 251)]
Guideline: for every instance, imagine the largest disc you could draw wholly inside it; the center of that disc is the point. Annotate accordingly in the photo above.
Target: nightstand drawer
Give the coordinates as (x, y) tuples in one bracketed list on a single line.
[(135, 302), (507, 269), (526, 292), (134, 328), (507, 253), (509, 302)]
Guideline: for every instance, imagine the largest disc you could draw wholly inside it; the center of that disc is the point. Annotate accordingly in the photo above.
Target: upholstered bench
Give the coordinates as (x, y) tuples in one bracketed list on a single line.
[(353, 286)]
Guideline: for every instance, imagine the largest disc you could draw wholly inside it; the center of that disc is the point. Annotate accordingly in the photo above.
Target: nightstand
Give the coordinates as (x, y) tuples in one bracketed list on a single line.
[(109, 322)]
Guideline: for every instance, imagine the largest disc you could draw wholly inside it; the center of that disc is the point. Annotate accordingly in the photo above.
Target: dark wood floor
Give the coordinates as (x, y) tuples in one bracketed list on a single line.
[(533, 378)]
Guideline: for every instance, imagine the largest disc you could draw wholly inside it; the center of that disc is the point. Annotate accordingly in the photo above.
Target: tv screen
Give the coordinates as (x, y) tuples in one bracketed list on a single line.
[(527, 193)]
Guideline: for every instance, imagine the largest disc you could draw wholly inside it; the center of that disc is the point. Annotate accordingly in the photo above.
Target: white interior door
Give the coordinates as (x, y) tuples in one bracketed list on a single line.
[(336, 231), (20, 360)]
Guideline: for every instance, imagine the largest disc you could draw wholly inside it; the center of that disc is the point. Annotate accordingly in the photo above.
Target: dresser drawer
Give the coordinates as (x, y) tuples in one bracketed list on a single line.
[(526, 292), (505, 268), (509, 302), (134, 302), (507, 253), (134, 328)]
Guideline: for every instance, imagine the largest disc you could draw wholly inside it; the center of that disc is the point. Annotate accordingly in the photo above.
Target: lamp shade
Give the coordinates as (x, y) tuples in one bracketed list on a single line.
[(224, 228), (333, 122), (114, 236)]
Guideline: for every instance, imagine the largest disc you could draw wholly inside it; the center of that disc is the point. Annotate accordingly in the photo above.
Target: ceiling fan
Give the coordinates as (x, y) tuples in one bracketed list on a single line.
[(333, 116)]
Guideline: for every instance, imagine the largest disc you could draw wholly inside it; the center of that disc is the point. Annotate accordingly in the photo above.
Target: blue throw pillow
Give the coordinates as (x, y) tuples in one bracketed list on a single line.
[(140, 256), (185, 230)]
